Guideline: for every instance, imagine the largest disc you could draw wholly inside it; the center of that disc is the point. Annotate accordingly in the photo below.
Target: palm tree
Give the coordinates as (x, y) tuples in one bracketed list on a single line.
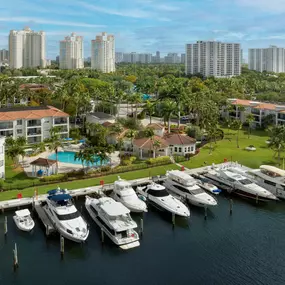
[(86, 156), (131, 134), (149, 108), (149, 133), (169, 107), (277, 140), (249, 119), (55, 142), (237, 125), (156, 146), (15, 148)]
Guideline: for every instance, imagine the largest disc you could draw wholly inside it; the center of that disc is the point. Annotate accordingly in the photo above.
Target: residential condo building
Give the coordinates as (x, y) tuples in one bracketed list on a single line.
[(259, 110), (4, 55), (33, 123), (103, 53), (211, 58), (71, 52), (270, 59), (27, 48)]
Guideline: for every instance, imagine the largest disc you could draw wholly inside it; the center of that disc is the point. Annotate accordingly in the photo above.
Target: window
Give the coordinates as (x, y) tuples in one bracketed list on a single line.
[(19, 122), (68, 216), (192, 148), (189, 148), (245, 181), (158, 193), (180, 149), (19, 132), (175, 149), (182, 189), (270, 183)]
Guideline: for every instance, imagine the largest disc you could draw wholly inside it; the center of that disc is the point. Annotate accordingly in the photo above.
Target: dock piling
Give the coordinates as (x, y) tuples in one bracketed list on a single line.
[(231, 206), (5, 226), (173, 220), (61, 246), (16, 261), (205, 212), (141, 227), (102, 236)]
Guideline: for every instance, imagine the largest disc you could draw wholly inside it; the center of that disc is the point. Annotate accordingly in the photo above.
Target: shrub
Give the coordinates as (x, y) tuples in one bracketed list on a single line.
[(159, 160), (55, 177), (179, 158), (105, 168), (128, 160)]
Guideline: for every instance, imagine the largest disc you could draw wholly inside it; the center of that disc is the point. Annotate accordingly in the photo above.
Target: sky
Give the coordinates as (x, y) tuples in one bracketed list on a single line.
[(148, 25)]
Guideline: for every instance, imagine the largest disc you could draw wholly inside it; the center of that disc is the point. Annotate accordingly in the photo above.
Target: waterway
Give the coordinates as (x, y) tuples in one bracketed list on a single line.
[(245, 248)]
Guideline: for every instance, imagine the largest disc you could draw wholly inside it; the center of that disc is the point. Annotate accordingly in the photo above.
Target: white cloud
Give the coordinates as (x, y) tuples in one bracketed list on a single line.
[(275, 6), (132, 13), (47, 21)]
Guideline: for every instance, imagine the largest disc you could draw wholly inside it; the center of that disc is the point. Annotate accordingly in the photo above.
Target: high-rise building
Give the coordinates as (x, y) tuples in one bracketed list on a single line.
[(119, 57), (71, 52), (270, 59), (27, 48), (4, 55), (144, 57), (103, 53), (183, 58), (57, 59), (172, 58), (213, 58)]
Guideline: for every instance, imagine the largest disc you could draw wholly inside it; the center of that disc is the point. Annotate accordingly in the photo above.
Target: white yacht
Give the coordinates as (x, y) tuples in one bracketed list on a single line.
[(240, 185), (267, 176), (186, 186), (23, 220), (65, 217), (161, 199), (115, 220), (124, 193)]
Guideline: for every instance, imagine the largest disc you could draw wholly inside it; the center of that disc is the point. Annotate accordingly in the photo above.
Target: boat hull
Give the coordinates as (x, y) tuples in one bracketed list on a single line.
[(22, 227)]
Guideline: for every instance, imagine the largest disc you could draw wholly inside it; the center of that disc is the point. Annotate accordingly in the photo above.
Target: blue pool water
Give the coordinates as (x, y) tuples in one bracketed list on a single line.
[(68, 157)]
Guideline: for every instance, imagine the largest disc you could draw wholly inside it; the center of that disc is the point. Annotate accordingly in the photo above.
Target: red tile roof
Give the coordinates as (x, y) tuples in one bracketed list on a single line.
[(107, 124), (30, 113), (147, 143), (179, 139), (43, 162), (155, 126), (256, 105)]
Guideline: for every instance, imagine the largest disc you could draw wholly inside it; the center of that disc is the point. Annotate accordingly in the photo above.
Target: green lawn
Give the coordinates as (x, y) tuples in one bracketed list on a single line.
[(223, 149), (227, 148), (89, 182)]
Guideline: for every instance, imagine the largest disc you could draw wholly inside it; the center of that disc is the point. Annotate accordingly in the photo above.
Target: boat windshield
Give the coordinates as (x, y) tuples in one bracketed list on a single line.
[(245, 181), (67, 217), (158, 193), (196, 191)]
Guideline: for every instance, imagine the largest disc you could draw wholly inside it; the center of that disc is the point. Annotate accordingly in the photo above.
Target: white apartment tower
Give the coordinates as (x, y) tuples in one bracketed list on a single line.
[(4, 55), (103, 53), (27, 48), (213, 58), (270, 59), (71, 52)]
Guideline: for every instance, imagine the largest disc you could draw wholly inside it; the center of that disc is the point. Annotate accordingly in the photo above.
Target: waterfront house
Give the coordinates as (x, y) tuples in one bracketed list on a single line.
[(180, 144), (99, 118), (33, 123)]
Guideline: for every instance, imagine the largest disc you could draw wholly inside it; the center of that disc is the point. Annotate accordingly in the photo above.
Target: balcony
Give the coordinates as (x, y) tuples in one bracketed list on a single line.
[(281, 116), (33, 140), (255, 112), (34, 132), (6, 125), (34, 123), (60, 121)]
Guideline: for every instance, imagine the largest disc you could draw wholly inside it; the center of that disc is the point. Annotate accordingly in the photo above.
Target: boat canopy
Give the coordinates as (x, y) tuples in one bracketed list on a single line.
[(113, 208), (60, 197), (23, 213), (273, 169)]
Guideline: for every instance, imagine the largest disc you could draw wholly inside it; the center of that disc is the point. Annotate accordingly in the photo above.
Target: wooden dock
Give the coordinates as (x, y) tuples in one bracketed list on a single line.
[(44, 218)]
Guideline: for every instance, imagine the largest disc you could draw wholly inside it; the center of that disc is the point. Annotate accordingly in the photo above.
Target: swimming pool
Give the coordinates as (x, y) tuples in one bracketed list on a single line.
[(68, 157)]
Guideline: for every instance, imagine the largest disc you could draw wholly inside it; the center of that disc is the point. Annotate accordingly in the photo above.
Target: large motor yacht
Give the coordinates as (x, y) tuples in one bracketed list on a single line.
[(114, 219), (186, 186), (157, 195), (240, 184), (65, 217), (124, 193)]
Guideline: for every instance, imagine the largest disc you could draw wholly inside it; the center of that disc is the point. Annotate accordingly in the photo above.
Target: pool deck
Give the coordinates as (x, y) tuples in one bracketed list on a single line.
[(63, 167)]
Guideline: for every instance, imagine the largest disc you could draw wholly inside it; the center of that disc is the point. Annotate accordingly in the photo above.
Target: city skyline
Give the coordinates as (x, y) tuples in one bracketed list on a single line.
[(147, 26)]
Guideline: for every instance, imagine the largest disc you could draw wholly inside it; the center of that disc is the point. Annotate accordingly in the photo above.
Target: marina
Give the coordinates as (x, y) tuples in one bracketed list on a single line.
[(222, 240)]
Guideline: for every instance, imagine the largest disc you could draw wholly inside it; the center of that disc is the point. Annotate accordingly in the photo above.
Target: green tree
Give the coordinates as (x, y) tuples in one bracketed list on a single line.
[(277, 140), (237, 125), (249, 120), (169, 107), (149, 108)]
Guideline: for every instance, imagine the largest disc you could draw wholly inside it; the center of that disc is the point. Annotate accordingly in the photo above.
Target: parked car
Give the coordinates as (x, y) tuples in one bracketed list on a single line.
[(250, 148)]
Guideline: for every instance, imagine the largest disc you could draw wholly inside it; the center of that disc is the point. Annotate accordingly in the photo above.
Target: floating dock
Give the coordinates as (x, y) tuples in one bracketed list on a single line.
[(44, 218)]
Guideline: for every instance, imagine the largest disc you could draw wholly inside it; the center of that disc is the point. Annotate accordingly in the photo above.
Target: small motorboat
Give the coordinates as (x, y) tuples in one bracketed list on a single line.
[(23, 220)]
